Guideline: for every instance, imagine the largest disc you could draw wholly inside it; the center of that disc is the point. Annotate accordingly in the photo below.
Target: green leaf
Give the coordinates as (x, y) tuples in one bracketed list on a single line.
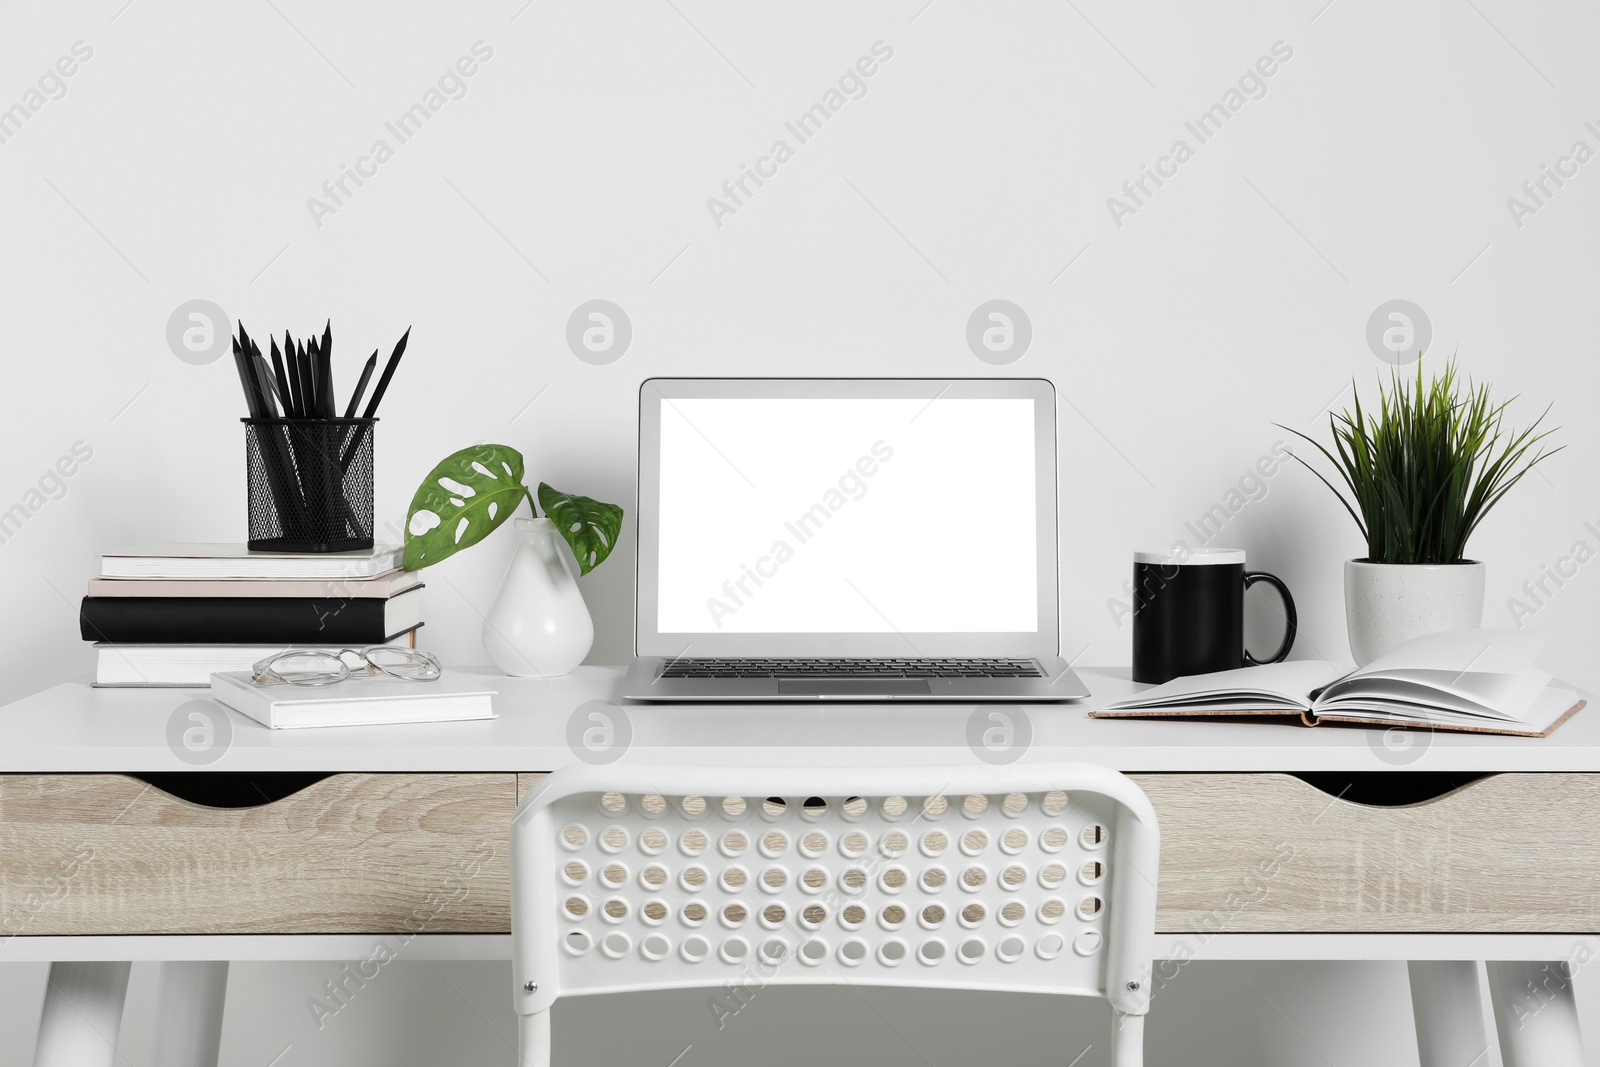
[(589, 526), (461, 501)]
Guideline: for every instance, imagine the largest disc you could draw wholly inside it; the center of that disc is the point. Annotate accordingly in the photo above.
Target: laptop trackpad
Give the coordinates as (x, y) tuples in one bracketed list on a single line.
[(852, 687)]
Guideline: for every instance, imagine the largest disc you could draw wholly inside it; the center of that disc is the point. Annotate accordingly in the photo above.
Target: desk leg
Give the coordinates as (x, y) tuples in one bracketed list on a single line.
[(1536, 1014), (189, 1013), (82, 1014), (1446, 1003)]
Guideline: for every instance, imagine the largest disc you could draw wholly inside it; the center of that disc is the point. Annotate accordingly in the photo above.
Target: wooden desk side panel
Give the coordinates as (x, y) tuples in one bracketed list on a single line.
[(1267, 853), (107, 854)]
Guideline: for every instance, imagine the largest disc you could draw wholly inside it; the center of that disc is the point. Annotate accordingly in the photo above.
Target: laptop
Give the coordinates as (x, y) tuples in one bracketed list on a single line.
[(847, 540)]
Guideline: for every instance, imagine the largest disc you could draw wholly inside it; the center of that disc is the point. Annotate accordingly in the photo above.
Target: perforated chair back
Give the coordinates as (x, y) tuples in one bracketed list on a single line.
[(1025, 878)]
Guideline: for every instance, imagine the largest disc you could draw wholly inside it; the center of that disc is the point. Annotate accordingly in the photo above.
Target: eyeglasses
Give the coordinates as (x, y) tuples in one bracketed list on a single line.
[(300, 667)]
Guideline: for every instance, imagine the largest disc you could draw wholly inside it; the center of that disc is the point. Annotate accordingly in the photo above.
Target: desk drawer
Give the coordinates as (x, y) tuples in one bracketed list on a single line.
[(352, 853), (1267, 853)]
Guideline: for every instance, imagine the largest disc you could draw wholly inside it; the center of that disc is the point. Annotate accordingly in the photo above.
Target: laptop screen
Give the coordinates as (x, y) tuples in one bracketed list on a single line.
[(845, 515)]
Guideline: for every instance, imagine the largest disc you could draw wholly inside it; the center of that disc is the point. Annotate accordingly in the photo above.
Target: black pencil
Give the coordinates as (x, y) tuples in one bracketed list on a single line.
[(361, 384), (388, 373), (285, 394)]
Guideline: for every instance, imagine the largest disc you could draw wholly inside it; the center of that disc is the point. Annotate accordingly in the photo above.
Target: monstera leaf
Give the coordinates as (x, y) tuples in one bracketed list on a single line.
[(461, 501), (590, 527)]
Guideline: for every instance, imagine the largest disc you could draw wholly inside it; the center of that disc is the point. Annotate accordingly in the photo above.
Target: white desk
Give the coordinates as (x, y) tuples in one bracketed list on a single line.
[(74, 729)]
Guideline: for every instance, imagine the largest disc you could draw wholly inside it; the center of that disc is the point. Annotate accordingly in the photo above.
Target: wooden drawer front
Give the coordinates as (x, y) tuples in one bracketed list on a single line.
[(1267, 853), (354, 853)]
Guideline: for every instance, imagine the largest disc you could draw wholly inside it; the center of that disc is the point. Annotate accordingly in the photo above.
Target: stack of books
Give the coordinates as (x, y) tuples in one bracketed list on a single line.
[(172, 615)]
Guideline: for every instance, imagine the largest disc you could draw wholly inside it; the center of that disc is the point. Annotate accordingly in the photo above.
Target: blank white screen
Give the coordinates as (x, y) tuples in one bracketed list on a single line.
[(847, 516)]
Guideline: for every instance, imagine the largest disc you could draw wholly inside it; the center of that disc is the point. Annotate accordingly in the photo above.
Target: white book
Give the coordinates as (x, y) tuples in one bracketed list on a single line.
[(1474, 680), (362, 700), (175, 666), (388, 584), (224, 561)]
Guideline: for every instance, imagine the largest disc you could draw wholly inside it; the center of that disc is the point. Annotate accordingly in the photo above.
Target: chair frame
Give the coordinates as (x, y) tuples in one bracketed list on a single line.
[(1117, 969)]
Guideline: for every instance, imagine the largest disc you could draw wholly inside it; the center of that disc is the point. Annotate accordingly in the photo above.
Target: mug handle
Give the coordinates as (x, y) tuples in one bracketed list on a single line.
[(1291, 620)]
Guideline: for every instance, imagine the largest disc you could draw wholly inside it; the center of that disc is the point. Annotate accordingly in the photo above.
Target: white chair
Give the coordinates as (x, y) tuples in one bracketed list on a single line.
[(1022, 878)]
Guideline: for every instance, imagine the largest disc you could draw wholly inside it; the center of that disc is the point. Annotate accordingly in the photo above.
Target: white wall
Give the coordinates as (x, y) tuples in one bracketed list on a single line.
[(178, 164)]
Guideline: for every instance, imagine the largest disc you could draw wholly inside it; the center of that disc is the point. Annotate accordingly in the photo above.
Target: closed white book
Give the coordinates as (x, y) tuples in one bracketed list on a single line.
[(390, 583), (175, 666), (362, 700), (223, 561)]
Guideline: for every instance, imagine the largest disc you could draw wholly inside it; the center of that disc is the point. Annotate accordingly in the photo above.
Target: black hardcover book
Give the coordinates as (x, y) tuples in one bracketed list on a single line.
[(249, 620)]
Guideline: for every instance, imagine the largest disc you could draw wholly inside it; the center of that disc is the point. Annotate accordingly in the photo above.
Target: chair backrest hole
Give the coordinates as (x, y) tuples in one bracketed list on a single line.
[(975, 804), (613, 803), (933, 807), (894, 807), (774, 807), (733, 806), (1055, 802)]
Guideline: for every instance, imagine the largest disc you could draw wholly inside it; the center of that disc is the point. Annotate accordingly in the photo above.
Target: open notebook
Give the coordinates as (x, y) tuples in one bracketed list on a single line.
[(1474, 680)]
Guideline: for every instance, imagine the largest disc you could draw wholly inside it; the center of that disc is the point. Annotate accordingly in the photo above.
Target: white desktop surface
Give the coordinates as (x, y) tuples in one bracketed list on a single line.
[(76, 728)]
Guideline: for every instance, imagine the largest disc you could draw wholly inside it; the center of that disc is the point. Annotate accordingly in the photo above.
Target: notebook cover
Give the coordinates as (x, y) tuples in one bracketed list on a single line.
[(241, 620)]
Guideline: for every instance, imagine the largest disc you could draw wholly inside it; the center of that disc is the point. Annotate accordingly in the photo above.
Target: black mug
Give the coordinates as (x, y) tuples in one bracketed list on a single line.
[(1188, 617)]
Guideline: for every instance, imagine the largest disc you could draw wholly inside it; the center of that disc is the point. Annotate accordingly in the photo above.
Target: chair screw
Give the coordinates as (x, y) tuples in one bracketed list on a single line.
[(1133, 987), (531, 987)]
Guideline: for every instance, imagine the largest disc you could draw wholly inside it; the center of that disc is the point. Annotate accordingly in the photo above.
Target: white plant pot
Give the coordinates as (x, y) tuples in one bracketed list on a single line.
[(539, 626), (1387, 604)]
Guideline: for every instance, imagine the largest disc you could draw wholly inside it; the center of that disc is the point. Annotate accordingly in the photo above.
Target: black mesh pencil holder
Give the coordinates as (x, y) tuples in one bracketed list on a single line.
[(310, 484)]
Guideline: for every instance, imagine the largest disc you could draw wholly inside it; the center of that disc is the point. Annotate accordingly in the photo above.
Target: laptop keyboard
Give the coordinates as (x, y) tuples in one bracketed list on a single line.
[(852, 668)]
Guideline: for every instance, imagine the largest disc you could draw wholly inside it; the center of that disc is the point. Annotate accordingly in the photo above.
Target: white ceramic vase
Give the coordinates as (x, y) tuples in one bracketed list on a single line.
[(1387, 604), (539, 626)]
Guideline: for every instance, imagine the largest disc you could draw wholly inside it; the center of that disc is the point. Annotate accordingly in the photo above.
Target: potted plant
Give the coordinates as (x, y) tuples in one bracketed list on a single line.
[(1422, 473), (539, 625)]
